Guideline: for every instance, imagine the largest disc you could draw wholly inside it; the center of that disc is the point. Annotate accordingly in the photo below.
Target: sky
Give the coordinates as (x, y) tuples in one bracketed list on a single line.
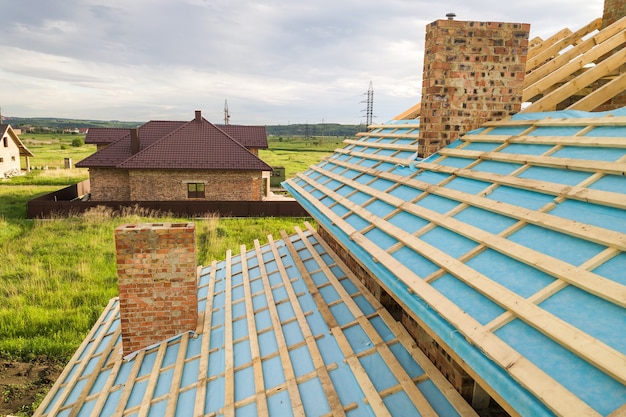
[(274, 62)]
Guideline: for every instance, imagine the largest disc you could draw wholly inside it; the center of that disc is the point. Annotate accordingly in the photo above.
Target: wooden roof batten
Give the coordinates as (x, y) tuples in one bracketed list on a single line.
[(576, 70)]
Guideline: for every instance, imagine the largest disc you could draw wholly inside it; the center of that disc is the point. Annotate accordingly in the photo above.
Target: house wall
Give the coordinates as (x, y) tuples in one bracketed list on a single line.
[(109, 184), (473, 72), (9, 157), (171, 185)]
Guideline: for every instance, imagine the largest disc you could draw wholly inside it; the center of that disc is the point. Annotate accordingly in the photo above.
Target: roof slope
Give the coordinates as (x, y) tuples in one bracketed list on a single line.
[(119, 150), (248, 136), (24, 151), (510, 244), (104, 135), (196, 145), (285, 331), (182, 145)]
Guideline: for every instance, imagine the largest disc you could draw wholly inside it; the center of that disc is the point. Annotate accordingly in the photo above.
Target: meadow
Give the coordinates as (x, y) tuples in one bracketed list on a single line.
[(57, 275)]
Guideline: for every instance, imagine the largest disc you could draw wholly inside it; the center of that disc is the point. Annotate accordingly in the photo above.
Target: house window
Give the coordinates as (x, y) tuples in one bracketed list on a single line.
[(12, 158), (195, 190), (5, 141), (1, 159)]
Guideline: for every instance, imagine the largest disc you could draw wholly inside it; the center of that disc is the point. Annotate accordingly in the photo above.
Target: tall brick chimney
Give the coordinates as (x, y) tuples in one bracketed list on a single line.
[(473, 72), (156, 268), (198, 116)]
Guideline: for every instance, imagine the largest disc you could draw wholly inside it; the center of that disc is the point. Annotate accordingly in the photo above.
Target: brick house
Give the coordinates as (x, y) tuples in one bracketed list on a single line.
[(178, 161), (11, 150)]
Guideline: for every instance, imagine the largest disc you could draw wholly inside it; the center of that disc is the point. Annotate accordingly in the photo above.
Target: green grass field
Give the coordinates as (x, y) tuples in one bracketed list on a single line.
[(57, 275)]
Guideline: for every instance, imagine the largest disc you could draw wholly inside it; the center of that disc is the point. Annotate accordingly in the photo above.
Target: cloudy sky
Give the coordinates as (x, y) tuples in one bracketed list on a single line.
[(275, 62)]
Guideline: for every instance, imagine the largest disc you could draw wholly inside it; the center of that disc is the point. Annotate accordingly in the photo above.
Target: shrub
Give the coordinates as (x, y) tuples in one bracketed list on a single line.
[(78, 142)]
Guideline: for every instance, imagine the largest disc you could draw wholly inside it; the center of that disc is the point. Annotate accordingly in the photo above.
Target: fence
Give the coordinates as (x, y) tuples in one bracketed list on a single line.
[(69, 201)]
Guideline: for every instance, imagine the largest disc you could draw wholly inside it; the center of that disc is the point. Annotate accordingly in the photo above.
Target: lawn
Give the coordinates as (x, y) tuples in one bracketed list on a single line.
[(57, 275)]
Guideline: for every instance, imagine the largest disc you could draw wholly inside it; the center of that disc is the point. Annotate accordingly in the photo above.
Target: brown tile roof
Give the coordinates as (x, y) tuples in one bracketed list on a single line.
[(184, 145), (248, 136), (119, 151), (104, 135), (198, 144)]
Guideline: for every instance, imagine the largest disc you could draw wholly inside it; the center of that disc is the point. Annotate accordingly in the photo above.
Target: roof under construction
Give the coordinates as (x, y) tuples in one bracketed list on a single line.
[(509, 244), (285, 329)]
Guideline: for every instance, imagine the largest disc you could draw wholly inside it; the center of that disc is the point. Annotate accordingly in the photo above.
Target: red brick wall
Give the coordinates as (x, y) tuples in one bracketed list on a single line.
[(156, 268), (473, 72)]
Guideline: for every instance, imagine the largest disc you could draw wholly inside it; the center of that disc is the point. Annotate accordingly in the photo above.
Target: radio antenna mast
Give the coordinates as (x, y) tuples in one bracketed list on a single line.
[(226, 113)]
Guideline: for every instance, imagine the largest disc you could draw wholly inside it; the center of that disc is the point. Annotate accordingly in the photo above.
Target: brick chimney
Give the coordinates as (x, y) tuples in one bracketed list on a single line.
[(156, 268), (614, 10), (473, 72), (198, 116), (134, 141)]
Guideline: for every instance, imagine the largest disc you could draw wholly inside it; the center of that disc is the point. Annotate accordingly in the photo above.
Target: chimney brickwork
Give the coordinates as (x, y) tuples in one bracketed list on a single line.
[(614, 10), (156, 266), (473, 72)]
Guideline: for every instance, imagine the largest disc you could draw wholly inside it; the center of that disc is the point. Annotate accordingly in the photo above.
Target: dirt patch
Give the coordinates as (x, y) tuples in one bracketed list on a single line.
[(24, 384)]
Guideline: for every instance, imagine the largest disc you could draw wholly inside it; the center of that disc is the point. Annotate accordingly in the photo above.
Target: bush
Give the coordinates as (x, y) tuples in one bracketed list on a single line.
[(78, 142)]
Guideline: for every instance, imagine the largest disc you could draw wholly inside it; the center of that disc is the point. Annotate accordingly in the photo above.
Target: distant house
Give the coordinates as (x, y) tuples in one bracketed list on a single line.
[(11, 149), (177, 161)]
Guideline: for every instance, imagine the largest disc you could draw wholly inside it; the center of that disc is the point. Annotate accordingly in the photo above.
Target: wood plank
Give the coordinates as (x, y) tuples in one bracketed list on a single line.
[(318, 362), (593, 283), (605, 198), (290, 376), (390, 146), (394, 126), (439, 380), (172, 400), (584, 141), (255, 352), (371, 394), (103, 395), (146, 403), (203, 367), (560, 74), (386, 135), (229, 355), (543, 386), (129, 383), (415, 395), (76, 365), (587, 347), (606, 167), (104, 354), (539, 48), (574, 228), (553, 50), (586, 78), (381, 158), (599, 96), (577, 50)]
